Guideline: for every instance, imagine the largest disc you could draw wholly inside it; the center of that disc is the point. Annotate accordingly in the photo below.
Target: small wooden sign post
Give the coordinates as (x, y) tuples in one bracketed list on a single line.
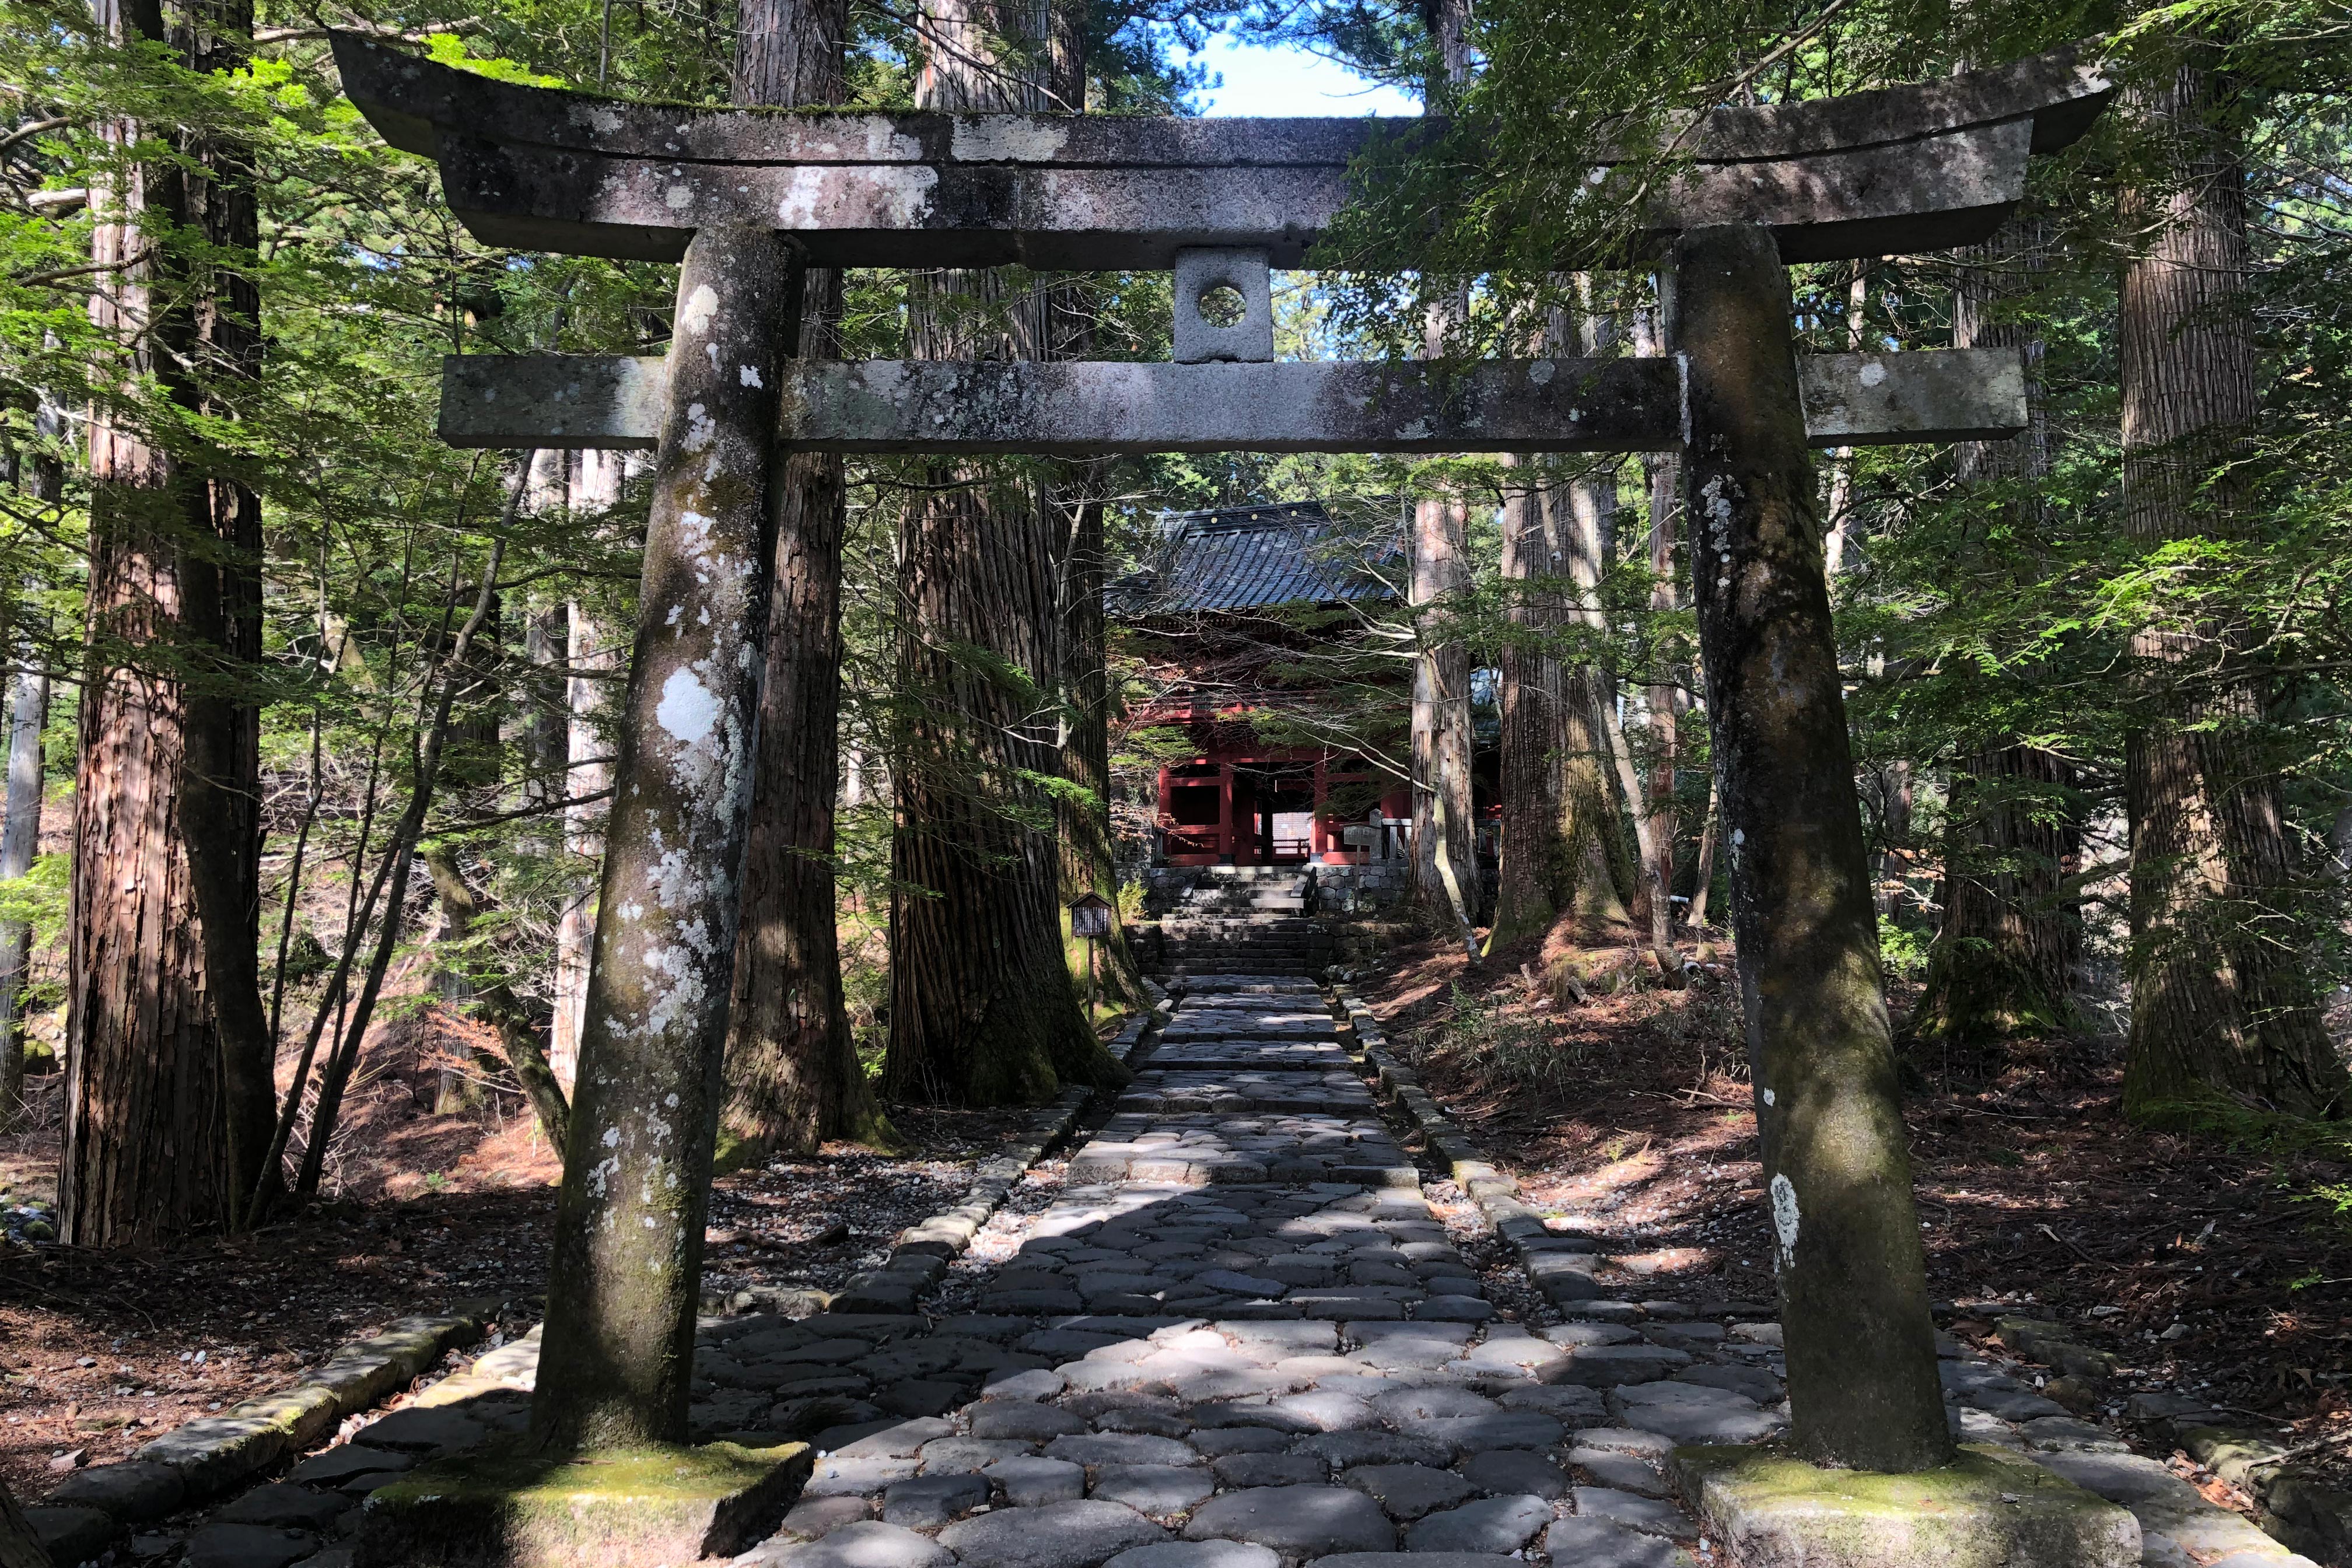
[(1091, 917)]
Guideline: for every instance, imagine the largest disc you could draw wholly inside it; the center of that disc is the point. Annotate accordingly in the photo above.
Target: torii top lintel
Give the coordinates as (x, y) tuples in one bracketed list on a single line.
[(1920, 167)]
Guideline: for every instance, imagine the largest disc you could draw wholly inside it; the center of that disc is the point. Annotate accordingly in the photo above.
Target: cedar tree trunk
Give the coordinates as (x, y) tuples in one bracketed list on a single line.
[(2221, 999)]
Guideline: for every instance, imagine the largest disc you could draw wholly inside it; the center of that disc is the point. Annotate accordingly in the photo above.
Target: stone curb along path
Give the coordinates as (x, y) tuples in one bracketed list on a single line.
[(89, 1512), (1989, 1403)]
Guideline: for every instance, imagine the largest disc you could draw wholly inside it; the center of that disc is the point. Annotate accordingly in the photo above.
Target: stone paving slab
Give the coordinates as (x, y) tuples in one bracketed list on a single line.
[(1338, 1092), (1247, 1056), (1197, 1150)]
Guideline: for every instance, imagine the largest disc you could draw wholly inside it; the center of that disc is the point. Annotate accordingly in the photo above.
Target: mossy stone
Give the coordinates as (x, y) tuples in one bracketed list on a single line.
[(1987, 1509), (621, 1508)]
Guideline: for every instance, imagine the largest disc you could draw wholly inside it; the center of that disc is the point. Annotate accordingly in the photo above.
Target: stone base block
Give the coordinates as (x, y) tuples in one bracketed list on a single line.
[(638, 1508), (1986, 1510)]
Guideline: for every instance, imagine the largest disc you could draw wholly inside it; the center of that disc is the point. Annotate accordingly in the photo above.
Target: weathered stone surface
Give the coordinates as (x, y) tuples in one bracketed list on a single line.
[(812, 1517), (246, 1546), (133, 1492), (1022, 1420), (922, 1502), (1059, 1535), (1082, 407), (864, 1544), (1120, 1449), (1507, 1470), (1629, 1508), (285, 1506), (1153, 1488), (1196, 1554), (75, 1535), (341, 1464), (1408, 1492), (1495, 1524), (1298, 1522), (1906, 169), (1603, 1543), (1032, 1483), (628, 1508), (1270, 1470), (421, 1432), (1986, 1510)]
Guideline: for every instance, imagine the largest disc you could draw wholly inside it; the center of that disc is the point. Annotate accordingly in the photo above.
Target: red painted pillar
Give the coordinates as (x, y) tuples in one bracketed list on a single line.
[(1318, 836), (1225, 811)]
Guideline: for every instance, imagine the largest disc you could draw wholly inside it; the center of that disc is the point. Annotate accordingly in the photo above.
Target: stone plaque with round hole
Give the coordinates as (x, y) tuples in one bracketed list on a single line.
[(1225, 306)]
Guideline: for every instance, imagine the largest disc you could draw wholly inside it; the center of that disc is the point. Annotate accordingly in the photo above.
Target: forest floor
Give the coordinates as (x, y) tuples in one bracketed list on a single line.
[(100, 1351), (2213, 1267)]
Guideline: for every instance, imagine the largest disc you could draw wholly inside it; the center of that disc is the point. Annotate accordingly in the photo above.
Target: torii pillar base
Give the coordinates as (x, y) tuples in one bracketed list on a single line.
[(618, 1508), (1987, 1509)]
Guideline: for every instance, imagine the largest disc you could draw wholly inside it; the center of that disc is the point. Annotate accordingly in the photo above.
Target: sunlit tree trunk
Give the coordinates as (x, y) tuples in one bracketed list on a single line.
[(169, 1096), (2221, 996), (590, 656)]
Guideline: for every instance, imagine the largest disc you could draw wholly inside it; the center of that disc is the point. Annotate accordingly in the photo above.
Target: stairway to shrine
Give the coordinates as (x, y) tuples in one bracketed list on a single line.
[(1242, 920)]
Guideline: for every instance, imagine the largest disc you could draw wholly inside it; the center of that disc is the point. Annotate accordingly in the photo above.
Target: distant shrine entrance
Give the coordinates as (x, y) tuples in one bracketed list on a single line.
[(1227, 618)]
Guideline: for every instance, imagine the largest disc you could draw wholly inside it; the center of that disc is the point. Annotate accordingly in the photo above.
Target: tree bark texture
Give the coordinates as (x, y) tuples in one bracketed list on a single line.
[(1530, 707), (590, 654), (625, 1279), (1596, 870), (1444, 866), (20, 840), (2006, 956), (2222, 998), (1445, 882), (793, 1078), (19, 1547), (1862, 1385), (169, 1096), (983, 1010), (1090, 864)]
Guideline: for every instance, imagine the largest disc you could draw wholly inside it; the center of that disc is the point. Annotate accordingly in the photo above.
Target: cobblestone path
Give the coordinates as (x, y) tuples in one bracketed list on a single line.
[(1240, 1338)]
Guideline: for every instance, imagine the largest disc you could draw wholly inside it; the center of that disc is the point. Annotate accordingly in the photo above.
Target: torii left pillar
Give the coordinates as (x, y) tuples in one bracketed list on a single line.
[(618, 1350)]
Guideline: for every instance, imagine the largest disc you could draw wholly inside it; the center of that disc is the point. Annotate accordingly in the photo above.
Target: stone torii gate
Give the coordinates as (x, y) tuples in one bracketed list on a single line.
[(744, 199)]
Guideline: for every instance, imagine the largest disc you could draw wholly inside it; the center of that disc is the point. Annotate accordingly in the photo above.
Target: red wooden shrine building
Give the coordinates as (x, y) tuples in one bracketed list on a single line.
[(1228, 614)]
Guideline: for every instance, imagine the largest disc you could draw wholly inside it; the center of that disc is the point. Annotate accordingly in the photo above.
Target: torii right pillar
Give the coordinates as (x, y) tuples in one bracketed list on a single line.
[(1863, 1390)]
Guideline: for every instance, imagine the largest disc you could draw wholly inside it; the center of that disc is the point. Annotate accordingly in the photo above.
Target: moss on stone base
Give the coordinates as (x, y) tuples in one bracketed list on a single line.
[(1988, 1509), (632, 1507)]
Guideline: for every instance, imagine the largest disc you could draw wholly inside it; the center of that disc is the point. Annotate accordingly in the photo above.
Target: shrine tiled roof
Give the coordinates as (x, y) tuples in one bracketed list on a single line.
[(1257, 557)]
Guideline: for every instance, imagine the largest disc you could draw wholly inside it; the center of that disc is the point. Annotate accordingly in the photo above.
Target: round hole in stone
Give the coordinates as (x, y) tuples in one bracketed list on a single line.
[(1221, 305)]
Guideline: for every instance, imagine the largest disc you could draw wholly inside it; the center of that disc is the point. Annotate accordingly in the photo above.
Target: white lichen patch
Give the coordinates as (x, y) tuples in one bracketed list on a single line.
[(1006, 139), (1872, 373), (688, 711), (1785, 1218), (701, 306)]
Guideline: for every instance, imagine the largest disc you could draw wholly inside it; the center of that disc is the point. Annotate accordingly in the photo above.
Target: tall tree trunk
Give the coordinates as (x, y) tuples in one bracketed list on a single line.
[(20, 840), (1445, 881), (1662, 694), (1530, 702), (793, 1078), (2222, 998), (590, 654), (1090, 864), (983, 1010), (167, 1052)]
